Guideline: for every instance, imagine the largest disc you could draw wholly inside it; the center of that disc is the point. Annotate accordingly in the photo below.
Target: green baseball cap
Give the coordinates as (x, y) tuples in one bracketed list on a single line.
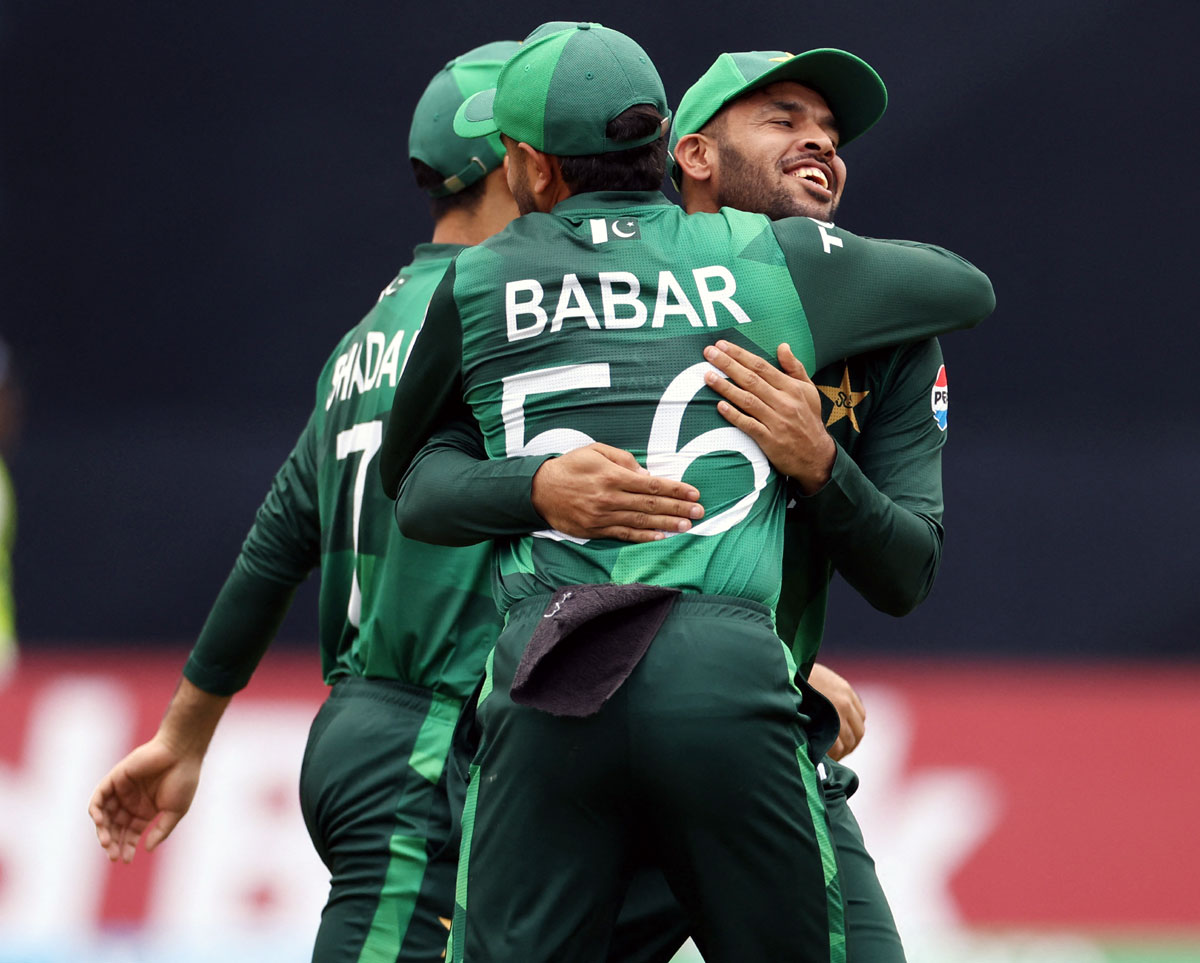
[(848, 83), (558, 92), (431, 138)]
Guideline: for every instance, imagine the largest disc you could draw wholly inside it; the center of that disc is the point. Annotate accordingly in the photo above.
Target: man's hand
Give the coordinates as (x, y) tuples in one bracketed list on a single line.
[(849, 707), (781, 410), (154, 785), (152, 781), (602, 492)]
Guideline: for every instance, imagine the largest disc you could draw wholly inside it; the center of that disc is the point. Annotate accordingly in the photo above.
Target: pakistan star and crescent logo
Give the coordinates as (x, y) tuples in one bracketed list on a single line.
[(611, 229), (844, 400)]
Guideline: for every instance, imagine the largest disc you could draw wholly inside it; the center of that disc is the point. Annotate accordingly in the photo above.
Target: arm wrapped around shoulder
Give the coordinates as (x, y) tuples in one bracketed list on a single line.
[(965, 291), (860, 294)]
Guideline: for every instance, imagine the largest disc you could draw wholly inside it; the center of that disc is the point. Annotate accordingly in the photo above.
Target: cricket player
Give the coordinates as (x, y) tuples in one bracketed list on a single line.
[(580, 323), (762, 131), (404, 626)]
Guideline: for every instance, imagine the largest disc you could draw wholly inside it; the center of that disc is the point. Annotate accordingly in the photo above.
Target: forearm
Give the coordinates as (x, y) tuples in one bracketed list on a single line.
[(454, 495), (888, 553), (243, 621), (191, 719)]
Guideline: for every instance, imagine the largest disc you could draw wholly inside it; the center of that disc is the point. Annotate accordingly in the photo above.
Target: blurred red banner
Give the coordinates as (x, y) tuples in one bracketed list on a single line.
[(993, 795)]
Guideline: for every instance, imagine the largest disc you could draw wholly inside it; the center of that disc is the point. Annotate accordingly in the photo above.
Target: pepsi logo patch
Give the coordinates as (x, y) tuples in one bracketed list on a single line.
[(939, 399)]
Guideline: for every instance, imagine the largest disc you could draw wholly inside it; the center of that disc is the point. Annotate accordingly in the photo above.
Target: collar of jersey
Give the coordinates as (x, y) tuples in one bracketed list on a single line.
[(611, 200), (428, 251)]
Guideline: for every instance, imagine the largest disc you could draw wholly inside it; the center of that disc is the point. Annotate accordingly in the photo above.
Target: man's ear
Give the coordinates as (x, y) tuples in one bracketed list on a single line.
[(543, 168), (696, 156), (544, 177)]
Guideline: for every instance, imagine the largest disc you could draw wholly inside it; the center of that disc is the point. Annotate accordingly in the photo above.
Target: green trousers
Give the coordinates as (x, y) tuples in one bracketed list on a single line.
[(652, 926), (699, 765), (373, 794)]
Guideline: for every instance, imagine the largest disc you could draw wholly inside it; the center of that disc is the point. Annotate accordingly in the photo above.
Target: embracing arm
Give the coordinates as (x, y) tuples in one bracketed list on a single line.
[(879, 518), (876, 516), (885, 536), (860, 293), (887, 552), (454, 495)]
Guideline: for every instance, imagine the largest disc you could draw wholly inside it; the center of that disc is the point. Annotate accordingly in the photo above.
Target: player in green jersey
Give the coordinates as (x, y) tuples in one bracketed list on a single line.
[(873, 503), (404, 626), (761, 131), (588, 312)]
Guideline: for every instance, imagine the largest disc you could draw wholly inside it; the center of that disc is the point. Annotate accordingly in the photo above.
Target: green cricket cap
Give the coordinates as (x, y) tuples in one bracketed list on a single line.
[(431, 138), (850, 86), (558, 92)]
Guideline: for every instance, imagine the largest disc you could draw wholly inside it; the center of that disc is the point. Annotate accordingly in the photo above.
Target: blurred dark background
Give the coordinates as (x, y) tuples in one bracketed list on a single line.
[(196, 200)]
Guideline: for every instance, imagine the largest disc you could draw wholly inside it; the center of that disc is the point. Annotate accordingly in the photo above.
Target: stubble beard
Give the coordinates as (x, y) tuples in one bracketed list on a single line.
[(744, 188), (522, 194)]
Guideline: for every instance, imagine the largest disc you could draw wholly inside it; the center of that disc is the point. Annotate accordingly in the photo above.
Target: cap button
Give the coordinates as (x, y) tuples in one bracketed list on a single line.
[(584, 26)]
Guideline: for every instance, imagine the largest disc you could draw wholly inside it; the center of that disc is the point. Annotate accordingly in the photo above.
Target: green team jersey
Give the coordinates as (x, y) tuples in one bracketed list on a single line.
[(390, 608), (588, 324), (878, 520)]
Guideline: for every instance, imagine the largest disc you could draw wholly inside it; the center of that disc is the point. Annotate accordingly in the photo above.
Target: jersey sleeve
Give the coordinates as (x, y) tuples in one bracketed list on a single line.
[(282, 547), (879, 517), (454, 495), (860, 293), (429, 393)]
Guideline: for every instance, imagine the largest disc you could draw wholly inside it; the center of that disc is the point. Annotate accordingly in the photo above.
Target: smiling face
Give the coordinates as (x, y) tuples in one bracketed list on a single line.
[(777, 153)]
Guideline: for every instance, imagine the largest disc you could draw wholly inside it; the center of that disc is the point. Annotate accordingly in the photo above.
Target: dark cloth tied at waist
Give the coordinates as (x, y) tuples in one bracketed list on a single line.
[(587, 642)]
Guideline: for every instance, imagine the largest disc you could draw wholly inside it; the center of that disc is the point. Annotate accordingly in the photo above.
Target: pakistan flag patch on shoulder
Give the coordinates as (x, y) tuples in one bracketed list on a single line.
[(605, 229)]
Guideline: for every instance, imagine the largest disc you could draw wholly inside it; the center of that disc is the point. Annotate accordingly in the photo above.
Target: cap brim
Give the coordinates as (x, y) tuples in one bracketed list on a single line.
[(474, 116), (851, 87)]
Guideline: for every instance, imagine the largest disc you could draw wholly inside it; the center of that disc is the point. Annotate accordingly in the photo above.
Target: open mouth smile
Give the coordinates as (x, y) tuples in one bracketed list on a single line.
[(812, 174)]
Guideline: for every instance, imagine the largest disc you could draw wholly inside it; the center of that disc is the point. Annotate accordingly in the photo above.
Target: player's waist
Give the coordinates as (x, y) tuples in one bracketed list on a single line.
[(397, 693), (687, 605)]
